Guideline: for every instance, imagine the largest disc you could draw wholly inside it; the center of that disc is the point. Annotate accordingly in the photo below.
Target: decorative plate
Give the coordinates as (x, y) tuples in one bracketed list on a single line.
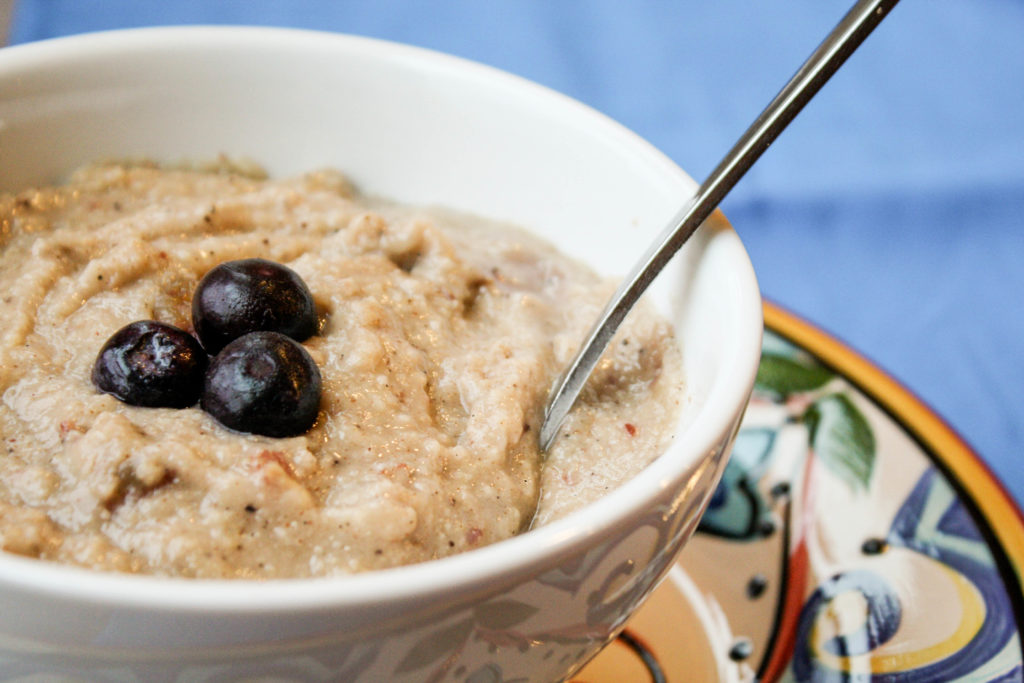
[(854, 538)]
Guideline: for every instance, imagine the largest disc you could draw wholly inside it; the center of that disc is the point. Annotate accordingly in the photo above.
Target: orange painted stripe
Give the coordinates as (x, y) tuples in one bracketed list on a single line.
[(797, 573)]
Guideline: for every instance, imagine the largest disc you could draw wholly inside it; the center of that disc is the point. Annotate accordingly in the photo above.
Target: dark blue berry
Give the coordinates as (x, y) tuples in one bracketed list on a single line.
[(251, 295), (148, 363), (263, 383)]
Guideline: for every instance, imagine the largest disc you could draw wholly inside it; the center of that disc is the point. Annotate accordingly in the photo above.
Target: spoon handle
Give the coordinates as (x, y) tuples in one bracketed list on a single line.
[(848, 34)]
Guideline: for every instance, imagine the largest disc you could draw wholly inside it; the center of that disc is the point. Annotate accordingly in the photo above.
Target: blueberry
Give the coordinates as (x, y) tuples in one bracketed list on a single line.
[(148, 363), (263, 383), (250, 295)]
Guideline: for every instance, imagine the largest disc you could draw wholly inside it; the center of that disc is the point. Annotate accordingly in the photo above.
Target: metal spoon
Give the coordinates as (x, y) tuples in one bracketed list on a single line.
[(819, 67)]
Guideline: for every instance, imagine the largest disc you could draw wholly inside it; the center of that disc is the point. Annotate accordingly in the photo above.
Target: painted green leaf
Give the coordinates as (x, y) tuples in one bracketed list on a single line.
[(436, 645), (842, 438), (784, 375), (501, 614)]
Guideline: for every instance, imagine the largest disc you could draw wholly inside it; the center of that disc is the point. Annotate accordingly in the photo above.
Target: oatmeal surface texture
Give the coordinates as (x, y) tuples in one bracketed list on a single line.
[(441, 337)]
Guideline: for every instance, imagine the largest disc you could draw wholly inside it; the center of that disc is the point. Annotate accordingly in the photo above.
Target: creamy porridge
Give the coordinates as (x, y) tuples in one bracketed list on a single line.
[(441, 336)]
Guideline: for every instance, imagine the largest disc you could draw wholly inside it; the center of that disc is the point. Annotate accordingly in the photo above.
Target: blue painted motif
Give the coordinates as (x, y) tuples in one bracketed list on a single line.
[(933, 522), (737, 510), (881, 621)]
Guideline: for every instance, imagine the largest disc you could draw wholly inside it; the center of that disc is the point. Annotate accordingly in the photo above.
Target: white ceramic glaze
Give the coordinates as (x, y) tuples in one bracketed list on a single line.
[(423, 128)]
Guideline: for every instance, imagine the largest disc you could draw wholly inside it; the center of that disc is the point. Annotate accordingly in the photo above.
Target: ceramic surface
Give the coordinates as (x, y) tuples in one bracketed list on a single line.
[(854, 537), (425, 128)]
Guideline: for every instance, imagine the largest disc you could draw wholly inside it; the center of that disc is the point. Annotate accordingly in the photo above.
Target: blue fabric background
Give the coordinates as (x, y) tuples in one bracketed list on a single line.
[(890, 212)]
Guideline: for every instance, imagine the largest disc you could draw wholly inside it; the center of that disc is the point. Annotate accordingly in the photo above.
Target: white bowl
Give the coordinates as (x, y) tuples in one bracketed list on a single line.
[(423, 128)]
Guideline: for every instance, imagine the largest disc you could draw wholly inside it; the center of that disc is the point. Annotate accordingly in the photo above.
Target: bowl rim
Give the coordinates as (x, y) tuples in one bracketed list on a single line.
[(494, 563)]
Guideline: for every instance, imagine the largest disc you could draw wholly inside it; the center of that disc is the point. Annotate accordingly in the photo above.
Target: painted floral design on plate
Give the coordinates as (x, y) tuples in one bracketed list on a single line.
[(853, 538)]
